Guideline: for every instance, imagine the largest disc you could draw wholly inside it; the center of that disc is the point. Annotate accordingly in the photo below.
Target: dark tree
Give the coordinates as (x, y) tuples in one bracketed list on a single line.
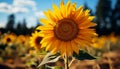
[(10, 23), (24, 27), (19, 25), (103, 13), (19, 28), (115, 18), (24, 24)]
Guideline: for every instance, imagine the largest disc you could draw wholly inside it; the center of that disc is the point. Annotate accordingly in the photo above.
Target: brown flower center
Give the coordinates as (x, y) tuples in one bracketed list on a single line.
[(37, 41), (8, 40), (66, 29)]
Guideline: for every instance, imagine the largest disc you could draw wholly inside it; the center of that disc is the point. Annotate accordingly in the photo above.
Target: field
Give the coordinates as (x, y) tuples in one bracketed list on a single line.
[(17, 53)]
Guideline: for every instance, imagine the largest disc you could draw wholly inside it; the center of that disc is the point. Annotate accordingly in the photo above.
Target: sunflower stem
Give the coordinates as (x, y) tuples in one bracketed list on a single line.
[(71, 61), (66, 62)]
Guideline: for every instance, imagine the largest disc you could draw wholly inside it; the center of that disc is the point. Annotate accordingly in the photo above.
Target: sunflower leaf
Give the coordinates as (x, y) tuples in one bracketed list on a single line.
[(83, 55), (3, 46), (49, 58), (58, 67)]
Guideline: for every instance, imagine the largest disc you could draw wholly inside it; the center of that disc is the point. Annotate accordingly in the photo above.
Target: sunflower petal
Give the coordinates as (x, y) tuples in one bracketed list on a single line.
[(75, 47), (45, 28), (62, 9), (69, 49), (57, 11)]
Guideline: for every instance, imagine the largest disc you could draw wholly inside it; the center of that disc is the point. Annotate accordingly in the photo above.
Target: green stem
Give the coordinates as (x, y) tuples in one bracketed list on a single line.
[(71, 61)]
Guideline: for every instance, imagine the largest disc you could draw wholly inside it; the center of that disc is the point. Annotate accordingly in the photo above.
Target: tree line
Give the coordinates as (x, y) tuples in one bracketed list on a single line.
[(20, 28), (108, 18)]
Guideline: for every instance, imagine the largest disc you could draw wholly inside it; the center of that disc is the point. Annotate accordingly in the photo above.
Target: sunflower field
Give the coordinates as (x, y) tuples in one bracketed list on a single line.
[(17, 52), (69, 36)]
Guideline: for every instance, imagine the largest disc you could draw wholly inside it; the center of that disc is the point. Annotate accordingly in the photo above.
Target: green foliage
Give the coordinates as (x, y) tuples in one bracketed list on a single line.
[(3, 46), (83, 55), (58, 67), (31, 62)]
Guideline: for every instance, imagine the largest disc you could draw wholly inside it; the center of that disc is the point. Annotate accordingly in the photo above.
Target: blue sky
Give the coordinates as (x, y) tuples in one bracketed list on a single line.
[(32, 10)]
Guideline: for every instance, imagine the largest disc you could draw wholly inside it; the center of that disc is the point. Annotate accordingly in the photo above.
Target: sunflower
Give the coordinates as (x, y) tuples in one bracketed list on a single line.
[(35, 40), (66, 29), (21, 39), (113, 38), (9, 39), (99, 42)]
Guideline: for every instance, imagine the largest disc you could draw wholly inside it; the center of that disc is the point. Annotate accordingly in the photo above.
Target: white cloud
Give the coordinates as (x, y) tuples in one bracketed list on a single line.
[(4, 5), (19, 10), (22, 6), (18, 6), (2, 24), (6, 8), (25, 3), (39, 14)]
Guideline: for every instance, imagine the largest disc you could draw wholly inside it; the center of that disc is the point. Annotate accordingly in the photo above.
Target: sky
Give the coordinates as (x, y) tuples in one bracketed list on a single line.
[(32, 10)]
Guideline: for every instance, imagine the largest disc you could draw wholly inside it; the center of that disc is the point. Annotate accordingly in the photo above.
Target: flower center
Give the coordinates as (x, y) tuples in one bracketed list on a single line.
[(8, 40), (66, 29), (37, 41)]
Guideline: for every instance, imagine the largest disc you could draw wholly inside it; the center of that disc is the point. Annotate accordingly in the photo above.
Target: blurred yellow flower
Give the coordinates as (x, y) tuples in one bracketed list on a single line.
[(31, 51), (27, 39), (66, 29), (21, 39), (9, 39), (99, 42), (113, 38), (35, 40)]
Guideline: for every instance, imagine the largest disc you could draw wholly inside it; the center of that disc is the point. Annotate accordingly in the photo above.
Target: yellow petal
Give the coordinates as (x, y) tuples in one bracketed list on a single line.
[(50, 45), (56, 46), (57, 12), (62, 9), (45, 28), (83, 42), (62, 48), (86, 12), (47, 33), (74, 6), (91, 18), (68, 7), (87, 25), (75, 47), (79, 12), (69, 49), (87, 31), (46, 22), (50, 16), (46, 39)]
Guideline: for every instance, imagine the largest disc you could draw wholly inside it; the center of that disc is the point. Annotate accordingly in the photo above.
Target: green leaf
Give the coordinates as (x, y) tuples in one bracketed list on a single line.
[(12, 47), (83, 55), (1, 59), (49, 58), (58, 67), (3, 46)]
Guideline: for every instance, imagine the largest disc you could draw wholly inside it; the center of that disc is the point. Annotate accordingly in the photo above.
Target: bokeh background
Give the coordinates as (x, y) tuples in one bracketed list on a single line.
[(19, 18)]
